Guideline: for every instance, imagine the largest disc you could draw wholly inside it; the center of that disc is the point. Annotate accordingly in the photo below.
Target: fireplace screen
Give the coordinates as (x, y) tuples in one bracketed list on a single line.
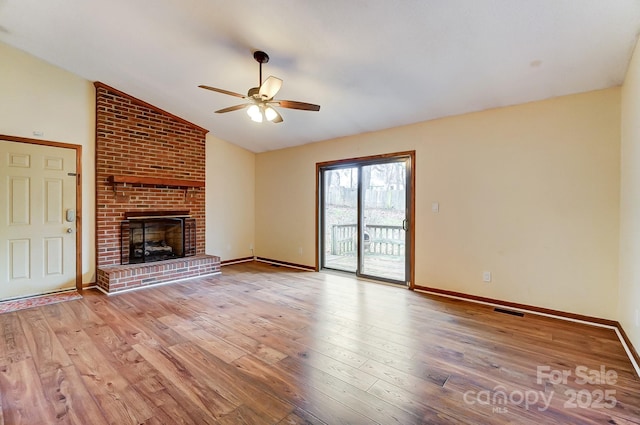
[(155, 239)]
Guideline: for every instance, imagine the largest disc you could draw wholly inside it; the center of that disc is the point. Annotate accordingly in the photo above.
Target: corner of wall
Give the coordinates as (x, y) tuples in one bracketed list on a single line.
[(230, 200), (629, 268)]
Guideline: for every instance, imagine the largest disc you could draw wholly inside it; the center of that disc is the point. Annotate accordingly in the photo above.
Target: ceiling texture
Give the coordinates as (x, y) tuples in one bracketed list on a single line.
[(370, 64)]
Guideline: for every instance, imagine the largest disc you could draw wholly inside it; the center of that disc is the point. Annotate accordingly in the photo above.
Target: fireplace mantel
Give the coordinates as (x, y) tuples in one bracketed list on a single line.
[(157, 181)]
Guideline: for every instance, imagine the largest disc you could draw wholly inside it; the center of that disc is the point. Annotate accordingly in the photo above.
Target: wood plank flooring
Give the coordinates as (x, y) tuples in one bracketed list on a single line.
[(266, 345)]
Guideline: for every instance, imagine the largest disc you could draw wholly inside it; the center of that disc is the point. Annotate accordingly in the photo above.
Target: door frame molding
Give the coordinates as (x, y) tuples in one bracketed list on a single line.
[(412, 206), (78, 149)]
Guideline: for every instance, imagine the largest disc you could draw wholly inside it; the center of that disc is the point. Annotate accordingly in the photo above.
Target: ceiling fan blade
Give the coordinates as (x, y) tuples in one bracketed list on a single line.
[(230, 93), (270, 87), (292, 104), (232, 108)]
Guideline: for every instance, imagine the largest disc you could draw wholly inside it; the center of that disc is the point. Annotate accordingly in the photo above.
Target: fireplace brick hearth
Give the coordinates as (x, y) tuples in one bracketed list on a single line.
[(132, 276), (147, 160)]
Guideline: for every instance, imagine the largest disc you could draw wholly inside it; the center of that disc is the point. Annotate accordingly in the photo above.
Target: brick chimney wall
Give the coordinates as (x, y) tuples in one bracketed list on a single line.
[(134, 138)]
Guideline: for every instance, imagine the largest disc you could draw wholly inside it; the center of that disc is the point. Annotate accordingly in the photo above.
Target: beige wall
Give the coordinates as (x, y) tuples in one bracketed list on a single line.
[(530, 193), (37, 96), (230, 200), (629, 308)]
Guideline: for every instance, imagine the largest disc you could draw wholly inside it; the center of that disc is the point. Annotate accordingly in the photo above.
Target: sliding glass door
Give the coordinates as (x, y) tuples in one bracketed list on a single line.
[(364, 217), (384, 209), (340, 218)]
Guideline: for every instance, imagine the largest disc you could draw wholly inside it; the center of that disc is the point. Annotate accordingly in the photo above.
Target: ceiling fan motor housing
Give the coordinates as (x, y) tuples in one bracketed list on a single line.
[(254, 92)]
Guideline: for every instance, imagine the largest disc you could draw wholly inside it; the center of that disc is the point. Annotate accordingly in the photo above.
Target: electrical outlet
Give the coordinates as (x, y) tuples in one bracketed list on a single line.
[(300, 250), (250, 247), (435, 207), (486, 276)]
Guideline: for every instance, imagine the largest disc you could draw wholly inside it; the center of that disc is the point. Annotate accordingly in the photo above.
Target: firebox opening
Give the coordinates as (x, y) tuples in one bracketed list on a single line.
[(148, 238), (155, 240)]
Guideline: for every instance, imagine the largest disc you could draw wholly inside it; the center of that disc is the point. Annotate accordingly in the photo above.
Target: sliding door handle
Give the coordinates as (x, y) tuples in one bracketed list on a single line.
[(405, 226)]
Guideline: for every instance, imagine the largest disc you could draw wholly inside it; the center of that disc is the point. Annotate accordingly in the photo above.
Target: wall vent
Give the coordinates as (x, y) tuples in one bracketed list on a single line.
[(511, 312)]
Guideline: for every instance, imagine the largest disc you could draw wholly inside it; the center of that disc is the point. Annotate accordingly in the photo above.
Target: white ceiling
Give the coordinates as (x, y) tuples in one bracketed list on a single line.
[(370, 64)]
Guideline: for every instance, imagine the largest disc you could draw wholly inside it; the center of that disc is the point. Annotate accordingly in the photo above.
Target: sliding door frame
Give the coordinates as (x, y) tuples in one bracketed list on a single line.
[(367, 160)]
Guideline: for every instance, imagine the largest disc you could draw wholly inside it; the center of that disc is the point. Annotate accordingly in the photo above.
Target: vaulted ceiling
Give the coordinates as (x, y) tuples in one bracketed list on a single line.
[(370, 64)]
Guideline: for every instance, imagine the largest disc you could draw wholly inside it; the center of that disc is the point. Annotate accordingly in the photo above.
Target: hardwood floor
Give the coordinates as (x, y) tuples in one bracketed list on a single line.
[(266, 345)]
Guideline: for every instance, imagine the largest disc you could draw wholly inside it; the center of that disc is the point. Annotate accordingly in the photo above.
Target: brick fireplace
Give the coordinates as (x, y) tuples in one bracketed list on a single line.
[(148, 162)]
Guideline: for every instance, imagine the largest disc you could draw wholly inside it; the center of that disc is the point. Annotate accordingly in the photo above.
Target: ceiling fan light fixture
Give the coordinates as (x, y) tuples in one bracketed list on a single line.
[(254, 112), (270, 113)]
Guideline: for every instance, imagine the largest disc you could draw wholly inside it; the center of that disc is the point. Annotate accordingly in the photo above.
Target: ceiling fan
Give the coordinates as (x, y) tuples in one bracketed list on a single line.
[(260, 99)]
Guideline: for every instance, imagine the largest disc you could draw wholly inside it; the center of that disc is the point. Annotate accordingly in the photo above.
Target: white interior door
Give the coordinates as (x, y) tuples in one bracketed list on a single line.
[(37, 219)]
